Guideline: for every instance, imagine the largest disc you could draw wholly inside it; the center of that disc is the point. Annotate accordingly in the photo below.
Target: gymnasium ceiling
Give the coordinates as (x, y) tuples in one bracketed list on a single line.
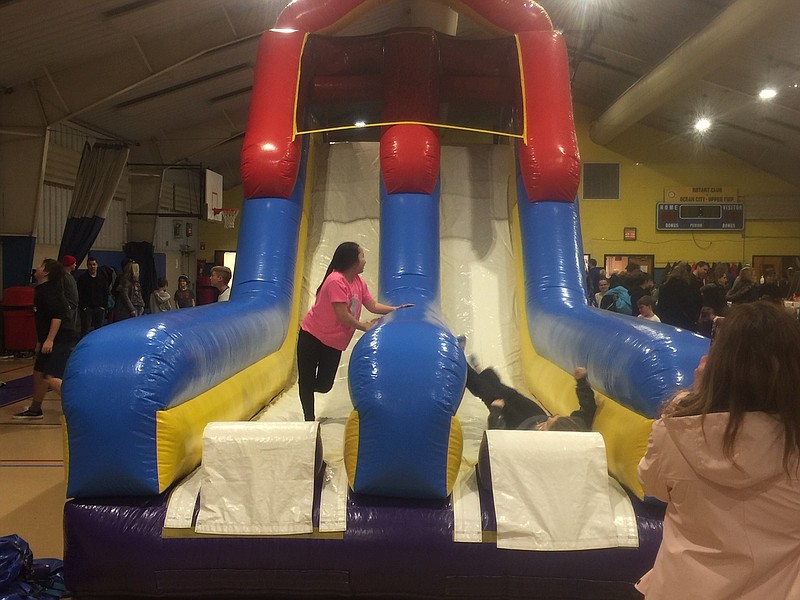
[(172, 77)]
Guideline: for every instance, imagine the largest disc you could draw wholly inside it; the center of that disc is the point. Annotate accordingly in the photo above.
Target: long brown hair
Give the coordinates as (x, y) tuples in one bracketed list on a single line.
[(754, 365)]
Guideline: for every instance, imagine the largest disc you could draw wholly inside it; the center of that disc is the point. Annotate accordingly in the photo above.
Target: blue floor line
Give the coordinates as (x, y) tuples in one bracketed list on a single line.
[(16, 390)]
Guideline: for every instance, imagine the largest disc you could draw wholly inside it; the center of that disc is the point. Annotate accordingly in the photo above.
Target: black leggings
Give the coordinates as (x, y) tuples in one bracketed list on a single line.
[(316, 370)]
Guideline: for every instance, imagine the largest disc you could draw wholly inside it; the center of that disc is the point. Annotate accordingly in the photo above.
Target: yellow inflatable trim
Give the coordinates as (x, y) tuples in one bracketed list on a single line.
[(455, 449), (351, 429)]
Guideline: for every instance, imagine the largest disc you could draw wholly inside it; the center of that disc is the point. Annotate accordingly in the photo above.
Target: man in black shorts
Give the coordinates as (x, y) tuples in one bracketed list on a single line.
[(56, 334)]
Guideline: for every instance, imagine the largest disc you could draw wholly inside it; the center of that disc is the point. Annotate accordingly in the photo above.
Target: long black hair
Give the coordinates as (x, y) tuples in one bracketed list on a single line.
[(344, 257)]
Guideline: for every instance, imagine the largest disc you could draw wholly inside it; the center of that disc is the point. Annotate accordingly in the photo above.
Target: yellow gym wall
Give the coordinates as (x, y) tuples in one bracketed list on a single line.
[(649, 160)]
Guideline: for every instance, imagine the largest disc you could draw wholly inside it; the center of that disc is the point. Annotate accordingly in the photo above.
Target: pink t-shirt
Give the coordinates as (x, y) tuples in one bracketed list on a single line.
[(321, 320)]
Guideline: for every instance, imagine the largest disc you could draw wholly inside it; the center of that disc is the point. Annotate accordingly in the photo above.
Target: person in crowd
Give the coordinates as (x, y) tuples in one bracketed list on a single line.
[(676, 299), (713, 293), (509, 409), (602, 286), (329, 325), (783, 283), (725, 457), (700, 273), (744, 289), (793, 292), (645, 306), (638, 284), (616, 279), (648, 285), (220, 279), (93, 297), (593, 280), (160, 300), (617, 299), (705, 324), (71, 289), (128, 301), (56, 335), (184, 296), (770, 290), (110, 275), (631, 274), (698, 280)]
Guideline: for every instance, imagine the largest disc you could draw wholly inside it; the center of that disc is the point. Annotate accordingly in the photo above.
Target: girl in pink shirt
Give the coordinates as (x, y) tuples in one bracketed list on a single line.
[(328, 327), (724, 457)]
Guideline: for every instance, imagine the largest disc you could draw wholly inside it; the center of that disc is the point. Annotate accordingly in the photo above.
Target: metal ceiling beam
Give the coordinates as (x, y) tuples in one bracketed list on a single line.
[(687, 64), (151, 77), (179, 87)]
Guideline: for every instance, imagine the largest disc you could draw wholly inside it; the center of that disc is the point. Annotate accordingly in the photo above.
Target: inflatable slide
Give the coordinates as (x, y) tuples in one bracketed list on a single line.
[(139, 395)]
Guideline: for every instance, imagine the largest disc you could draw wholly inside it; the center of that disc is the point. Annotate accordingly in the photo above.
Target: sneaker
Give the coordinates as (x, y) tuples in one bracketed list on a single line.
[(473, 362), (29, 415)]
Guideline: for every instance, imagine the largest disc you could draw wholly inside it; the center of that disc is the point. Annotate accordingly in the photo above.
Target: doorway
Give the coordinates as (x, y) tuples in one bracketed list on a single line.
[(619, 262)]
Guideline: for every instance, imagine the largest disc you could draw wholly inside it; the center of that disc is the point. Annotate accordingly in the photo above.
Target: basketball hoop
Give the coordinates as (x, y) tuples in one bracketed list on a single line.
[(228, 216)]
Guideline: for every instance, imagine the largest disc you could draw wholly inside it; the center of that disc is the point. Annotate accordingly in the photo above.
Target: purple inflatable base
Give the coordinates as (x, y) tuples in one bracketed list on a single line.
[(392, 548)]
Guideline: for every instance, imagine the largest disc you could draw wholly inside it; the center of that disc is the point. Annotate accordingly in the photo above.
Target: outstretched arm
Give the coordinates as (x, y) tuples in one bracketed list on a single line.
[(586, 401), (377, 308)]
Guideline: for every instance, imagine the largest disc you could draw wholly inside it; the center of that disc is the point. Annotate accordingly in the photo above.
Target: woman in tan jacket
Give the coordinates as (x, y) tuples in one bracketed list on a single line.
[(725, 458)]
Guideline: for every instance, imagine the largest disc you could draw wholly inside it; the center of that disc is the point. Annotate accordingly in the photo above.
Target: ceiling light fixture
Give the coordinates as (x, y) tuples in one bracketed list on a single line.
[(767, 93), (702, 124)]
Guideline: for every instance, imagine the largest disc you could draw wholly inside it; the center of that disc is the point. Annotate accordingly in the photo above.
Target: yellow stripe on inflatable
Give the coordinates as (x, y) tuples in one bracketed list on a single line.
[(351, 430), (179, 430), (455, 448), (522, 87), (624, 431), (519, 136)]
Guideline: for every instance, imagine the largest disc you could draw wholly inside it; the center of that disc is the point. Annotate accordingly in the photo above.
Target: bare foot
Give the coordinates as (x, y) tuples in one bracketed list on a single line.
[(579, 372)]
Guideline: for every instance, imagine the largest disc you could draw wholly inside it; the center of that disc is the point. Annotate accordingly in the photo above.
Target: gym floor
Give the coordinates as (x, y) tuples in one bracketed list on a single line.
[(32, 476)]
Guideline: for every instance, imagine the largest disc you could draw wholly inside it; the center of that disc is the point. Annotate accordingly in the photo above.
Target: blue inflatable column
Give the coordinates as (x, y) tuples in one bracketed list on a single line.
[(407, 375)]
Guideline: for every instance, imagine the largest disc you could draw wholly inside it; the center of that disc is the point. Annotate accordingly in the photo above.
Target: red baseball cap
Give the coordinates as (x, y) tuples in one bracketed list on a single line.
[(68, 260)]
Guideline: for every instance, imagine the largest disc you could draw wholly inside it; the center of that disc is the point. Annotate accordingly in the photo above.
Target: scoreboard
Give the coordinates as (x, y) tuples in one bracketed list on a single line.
[(704, 217)]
